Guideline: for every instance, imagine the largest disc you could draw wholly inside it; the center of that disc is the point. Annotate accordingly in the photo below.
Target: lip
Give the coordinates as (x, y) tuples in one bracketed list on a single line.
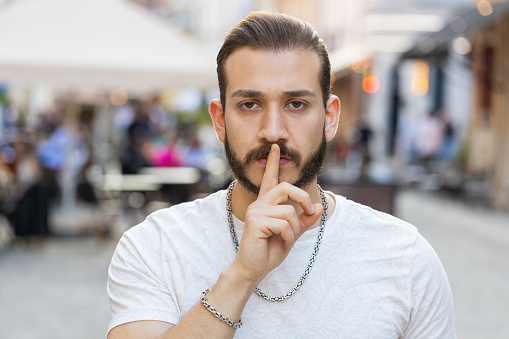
[(282, 161)]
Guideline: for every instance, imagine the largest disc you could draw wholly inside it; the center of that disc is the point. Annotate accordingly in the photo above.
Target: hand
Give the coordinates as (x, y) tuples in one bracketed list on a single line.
[(272, 228)]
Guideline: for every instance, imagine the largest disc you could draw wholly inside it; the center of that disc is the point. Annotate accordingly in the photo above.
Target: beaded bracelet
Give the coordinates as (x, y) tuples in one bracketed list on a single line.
[(221, 317)]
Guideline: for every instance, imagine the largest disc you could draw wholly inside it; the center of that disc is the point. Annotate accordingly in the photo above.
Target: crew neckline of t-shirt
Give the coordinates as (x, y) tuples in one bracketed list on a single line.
[(239, 225)]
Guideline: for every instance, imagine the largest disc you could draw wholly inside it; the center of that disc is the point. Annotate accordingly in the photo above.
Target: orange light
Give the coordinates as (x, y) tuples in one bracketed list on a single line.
[(360, 67), (420, 78), (420, 85), (484, 7), (371, 84)]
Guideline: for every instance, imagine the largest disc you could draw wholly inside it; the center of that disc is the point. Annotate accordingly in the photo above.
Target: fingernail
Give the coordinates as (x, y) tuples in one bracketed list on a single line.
[(312, 208)]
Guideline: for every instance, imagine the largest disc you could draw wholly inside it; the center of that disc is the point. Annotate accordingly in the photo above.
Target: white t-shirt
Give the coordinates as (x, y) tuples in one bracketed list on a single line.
[(374, 277)]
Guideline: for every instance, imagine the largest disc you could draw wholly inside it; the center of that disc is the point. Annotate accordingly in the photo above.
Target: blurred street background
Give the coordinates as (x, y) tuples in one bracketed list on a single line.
[(103, 119)]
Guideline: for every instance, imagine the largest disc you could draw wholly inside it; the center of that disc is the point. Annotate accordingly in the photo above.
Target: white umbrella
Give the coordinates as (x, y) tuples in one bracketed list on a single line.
[(97, 44)]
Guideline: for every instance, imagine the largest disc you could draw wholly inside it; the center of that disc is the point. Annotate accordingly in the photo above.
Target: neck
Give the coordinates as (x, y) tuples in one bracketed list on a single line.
[(242, 198)]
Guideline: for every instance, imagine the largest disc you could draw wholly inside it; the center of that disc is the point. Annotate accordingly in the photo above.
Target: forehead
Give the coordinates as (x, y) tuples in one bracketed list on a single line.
[(272, 72)]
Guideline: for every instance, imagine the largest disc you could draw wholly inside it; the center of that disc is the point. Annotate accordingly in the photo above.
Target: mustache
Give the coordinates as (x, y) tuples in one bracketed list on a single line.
[(264, 150)]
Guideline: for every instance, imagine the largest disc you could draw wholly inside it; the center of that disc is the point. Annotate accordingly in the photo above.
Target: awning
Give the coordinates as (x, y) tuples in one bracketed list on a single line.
[(461, 25), (342, 58), (97, 44)]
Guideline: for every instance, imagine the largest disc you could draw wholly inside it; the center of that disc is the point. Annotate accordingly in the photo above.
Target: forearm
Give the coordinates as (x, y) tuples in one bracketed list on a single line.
[(228, 296)]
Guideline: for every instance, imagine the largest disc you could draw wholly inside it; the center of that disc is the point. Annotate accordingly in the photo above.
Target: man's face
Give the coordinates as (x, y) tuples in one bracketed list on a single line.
[(274, 98)]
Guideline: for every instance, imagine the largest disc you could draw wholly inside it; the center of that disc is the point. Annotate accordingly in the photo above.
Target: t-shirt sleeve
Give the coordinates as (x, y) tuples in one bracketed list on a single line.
[(135, 287), (432, 312)]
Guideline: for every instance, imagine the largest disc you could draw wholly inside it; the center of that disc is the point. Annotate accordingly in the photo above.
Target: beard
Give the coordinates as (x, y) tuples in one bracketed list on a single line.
[(308, 172)]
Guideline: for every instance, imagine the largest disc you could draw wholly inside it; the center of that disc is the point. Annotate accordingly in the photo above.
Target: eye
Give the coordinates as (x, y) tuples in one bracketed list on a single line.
[(249, 105), (296, 104)]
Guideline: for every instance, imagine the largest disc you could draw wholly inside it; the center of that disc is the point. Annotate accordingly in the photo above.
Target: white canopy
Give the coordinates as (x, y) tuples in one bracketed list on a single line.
[(97, 44)]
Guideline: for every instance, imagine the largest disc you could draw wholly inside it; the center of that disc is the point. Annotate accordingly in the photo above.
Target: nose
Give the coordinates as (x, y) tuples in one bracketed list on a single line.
[(273, 125)]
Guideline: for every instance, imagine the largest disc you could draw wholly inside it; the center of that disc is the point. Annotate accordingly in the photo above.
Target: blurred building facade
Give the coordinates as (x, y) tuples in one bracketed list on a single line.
[(489, 128), (467, 83)]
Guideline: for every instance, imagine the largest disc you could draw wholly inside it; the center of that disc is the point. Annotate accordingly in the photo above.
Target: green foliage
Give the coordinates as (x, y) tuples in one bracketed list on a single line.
[(198, 117), (462, 154), (4, 100)]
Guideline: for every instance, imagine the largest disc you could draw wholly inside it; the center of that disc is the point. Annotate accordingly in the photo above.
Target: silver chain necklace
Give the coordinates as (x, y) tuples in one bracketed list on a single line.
[(313, 256)]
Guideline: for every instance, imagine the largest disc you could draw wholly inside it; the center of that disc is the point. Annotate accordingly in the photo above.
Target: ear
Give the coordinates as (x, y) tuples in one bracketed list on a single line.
[(332, 117), (217, 115)]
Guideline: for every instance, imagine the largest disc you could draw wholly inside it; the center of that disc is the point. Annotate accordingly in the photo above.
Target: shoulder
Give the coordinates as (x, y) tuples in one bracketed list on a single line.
[(384, 231), (365, 221), (382, 236), (394, 247)]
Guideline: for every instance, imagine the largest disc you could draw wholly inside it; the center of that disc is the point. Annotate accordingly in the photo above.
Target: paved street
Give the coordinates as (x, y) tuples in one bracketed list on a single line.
[(56, 289), (473, 245)]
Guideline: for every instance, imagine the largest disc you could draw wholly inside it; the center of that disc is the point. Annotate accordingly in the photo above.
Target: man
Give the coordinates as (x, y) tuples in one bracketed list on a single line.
[(309, 264)]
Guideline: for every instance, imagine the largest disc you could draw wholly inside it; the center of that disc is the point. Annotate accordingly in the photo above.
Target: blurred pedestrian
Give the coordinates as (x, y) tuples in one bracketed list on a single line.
[(194, 153), (10, 124), (165, 152), (446, 152), (407, 129), (363, 135), (7, 201), (139, 133), (161, 121), (429, 139), (32, 207), (63, 156)]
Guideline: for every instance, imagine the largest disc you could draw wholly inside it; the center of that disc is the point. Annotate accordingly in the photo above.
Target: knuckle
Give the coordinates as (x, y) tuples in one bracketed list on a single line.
[(306, 197), (285, 225), (289, 231), (285, 185), (255, 208), (251, 219), (281, 223), (250, 210), (289, 211)]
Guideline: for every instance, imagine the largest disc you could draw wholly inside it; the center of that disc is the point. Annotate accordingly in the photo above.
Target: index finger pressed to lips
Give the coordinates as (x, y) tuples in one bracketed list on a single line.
[(271, 175)]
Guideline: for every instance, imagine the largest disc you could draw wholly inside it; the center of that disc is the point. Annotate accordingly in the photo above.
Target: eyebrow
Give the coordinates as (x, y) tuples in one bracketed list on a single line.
[(300, 93), (248, 93)]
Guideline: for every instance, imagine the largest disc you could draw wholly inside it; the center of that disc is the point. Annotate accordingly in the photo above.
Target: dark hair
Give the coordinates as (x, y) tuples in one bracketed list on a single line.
[(274, 32)]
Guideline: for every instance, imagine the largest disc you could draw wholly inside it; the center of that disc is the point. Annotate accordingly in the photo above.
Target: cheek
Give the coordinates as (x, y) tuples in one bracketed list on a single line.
[(307, 129), (237, 140), (240, 130)]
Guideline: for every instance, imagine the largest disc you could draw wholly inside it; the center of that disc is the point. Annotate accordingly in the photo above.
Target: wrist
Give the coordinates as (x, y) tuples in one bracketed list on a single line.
[(217, 314), (239, 281), (229, 295)]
